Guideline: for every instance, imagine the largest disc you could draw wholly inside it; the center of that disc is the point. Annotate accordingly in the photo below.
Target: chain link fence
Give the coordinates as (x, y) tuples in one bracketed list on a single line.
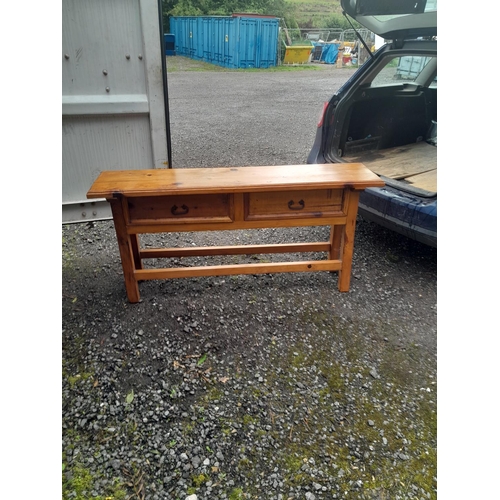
[(350, 50)]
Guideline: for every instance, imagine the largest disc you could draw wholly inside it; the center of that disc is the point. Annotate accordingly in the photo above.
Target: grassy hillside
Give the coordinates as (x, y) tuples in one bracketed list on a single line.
[(313, 13)]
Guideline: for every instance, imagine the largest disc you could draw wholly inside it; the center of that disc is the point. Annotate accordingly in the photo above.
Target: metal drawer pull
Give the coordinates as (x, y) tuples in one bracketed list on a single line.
[(300, 205), (175, 210)]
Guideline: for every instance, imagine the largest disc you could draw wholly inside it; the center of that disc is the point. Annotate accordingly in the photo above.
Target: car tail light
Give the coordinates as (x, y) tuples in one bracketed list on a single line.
[(322, 115)]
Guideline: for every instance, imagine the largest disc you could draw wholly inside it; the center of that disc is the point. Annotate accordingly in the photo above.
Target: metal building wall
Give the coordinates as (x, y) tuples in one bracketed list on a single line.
[(113, 105), (232, 42)]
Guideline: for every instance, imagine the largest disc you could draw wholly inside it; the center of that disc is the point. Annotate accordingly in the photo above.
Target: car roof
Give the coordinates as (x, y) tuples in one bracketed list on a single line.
[(395, 19)]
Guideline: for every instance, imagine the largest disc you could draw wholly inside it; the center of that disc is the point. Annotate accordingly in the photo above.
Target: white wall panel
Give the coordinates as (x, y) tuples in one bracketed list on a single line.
[(113, 109)]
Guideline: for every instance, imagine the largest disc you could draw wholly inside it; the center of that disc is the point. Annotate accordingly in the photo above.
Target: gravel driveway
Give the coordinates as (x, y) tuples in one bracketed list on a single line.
[(247, 118), (262, 387)]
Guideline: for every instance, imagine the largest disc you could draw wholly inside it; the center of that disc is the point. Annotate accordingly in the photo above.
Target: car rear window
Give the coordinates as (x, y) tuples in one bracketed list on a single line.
[(404, 68)]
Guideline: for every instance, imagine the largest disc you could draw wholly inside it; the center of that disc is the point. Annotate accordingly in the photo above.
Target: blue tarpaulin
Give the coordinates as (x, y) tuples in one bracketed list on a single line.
[(329, 53)]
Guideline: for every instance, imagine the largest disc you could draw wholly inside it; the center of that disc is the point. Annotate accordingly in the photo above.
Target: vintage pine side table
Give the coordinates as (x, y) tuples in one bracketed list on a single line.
[(207, 199)]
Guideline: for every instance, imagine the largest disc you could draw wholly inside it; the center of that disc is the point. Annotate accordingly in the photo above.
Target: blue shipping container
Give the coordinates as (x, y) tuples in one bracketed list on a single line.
[(233, 42)]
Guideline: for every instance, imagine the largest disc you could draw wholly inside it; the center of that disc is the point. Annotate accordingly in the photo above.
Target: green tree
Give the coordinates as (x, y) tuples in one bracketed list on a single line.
[(339, 21), (278, 8)]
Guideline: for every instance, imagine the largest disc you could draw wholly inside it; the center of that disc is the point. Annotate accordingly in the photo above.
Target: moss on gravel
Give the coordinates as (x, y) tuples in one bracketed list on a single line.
[(397, 435), (308, 393), (78, 484)]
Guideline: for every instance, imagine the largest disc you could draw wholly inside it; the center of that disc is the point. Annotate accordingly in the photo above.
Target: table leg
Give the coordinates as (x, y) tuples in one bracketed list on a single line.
[(336, 234), (134, 241), (348, 243), (126, 246)]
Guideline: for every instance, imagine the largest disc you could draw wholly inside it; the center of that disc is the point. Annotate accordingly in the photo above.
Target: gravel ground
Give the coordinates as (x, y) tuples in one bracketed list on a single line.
[(249, 387)]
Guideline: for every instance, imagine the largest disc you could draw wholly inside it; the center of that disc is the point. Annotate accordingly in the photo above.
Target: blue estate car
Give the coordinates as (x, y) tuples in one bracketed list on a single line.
[(385, 116)]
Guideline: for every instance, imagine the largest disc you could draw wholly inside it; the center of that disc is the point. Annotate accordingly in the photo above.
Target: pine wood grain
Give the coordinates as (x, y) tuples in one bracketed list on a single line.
[(161, 182), (152, 201), (227, 270)]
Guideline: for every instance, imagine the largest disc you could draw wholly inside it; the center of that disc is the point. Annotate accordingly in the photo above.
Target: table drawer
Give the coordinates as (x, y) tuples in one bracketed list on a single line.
[(182, 209), (294, 204)]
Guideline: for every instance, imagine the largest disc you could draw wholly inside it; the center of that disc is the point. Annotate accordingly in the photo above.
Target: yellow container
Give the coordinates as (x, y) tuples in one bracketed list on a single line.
[(297, 54)]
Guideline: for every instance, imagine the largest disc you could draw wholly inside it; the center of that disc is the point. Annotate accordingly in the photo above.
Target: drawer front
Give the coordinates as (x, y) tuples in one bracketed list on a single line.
[(182, 209), (294, 204)]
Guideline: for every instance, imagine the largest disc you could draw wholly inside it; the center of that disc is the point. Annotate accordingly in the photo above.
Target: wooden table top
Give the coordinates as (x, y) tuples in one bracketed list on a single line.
[(161, 182)]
